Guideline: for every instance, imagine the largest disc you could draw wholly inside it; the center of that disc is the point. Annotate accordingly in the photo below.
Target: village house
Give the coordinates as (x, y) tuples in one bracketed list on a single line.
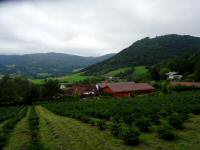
[(82, 90), (173, 76), (125, 89), (63, 86), (185, 84)]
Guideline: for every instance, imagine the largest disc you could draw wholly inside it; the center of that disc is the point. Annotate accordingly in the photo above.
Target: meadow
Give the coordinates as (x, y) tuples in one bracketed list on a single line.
[(70, 79)]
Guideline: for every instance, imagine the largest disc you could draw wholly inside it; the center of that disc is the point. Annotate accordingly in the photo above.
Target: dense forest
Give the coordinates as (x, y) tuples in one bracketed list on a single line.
[(148, 52), (188, 66)]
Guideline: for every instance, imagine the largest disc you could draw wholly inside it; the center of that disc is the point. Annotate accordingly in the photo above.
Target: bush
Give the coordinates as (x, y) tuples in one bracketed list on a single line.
[(166, 132), (143, 124), (116, 129), (91, 122), (101, 124), (85, 119), (176, 120), (131, 136)]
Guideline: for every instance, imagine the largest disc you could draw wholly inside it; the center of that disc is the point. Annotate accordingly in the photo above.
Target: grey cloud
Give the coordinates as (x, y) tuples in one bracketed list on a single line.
[(91, 27)]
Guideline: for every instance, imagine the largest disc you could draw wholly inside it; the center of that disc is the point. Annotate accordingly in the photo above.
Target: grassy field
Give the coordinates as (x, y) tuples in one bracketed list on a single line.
[(72, 78), (76, 77), (117, 71), (59, 132), (139, 70)]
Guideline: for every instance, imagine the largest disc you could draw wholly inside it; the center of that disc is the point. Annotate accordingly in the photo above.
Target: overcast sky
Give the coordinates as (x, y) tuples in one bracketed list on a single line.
[(91, 27)]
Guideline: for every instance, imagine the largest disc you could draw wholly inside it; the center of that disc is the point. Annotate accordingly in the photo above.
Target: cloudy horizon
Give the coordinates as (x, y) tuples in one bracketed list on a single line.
[(91, 27)]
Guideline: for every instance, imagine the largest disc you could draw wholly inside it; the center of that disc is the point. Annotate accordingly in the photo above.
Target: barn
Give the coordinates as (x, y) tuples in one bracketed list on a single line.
[(126, 89)]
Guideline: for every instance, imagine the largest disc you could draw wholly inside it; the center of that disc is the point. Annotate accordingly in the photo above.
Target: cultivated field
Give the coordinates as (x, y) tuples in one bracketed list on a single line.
[(94, 124)]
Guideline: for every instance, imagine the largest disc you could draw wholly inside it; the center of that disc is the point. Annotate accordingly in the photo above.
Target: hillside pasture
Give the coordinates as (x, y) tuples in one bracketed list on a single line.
[(70, 79), (140, 70), (117, 71)]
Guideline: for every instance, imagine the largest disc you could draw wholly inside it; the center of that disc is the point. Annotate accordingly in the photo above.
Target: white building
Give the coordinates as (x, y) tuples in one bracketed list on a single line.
[(173, 75)]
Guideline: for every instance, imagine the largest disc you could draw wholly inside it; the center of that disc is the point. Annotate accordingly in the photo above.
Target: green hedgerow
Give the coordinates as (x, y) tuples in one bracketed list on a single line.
[(130, 135), (115, 129), (166, 132), (176, 120), (143, 124), (101, 124)]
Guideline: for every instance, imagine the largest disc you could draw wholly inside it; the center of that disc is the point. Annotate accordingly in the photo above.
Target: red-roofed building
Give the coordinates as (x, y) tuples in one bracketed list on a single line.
[(124, 89), (83, 90), (186, 84)]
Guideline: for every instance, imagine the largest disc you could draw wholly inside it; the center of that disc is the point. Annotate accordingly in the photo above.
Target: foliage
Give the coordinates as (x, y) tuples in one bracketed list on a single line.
[(101, 124), (8, 112), (147, 52), (50, 88), (143, 124), (142, 112), (176, 120), (9, 126), (45, 65), (197, 72), (13, 90), (166, 132), (34, 128), (130, 135), (116, 129)]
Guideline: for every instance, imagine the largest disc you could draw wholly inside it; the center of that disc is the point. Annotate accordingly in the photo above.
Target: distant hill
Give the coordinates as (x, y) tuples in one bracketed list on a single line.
[(148, 51), (45, 64)]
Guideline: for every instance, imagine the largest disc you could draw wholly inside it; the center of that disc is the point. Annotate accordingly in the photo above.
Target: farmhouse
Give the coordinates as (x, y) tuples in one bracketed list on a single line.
[(124, 89), (185, 84), (173, 76), (82, 90)]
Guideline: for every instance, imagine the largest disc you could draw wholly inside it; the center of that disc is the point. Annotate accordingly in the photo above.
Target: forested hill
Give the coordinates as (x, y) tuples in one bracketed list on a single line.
[(149, 51), (44, 64)]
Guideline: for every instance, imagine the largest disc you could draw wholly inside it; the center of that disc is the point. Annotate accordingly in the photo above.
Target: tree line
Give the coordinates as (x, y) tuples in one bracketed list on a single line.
[(19, 90)]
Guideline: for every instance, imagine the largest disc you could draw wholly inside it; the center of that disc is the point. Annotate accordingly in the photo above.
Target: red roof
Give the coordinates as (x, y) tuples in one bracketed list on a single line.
[(188, 84), (81, 89), (103, 85), (129, 86)]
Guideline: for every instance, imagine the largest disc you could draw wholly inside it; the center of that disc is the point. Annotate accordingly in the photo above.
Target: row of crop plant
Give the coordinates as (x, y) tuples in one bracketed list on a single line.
[(127, 118)]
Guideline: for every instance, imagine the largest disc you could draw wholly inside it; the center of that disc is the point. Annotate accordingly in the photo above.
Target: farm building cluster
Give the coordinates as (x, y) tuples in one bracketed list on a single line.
[(119, 89)]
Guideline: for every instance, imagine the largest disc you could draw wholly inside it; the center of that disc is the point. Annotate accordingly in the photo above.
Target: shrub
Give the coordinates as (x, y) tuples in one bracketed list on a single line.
[(166, 132), (101, 124), (91, 122), (176, 120), (131, 136), (115, 129), (143, 124), (85, 119), (196, 109), (128, 119)]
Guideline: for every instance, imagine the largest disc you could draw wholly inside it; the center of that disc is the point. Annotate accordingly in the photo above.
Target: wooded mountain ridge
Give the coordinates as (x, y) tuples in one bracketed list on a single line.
[(45, 64), (148, 52)]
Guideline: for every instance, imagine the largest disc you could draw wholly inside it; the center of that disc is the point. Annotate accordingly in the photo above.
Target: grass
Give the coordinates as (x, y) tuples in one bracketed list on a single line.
[(186, 139), (73, 78), (20, 137), (70, 79), (66, 133), (140, 70), (58, 132), (117, 71)]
